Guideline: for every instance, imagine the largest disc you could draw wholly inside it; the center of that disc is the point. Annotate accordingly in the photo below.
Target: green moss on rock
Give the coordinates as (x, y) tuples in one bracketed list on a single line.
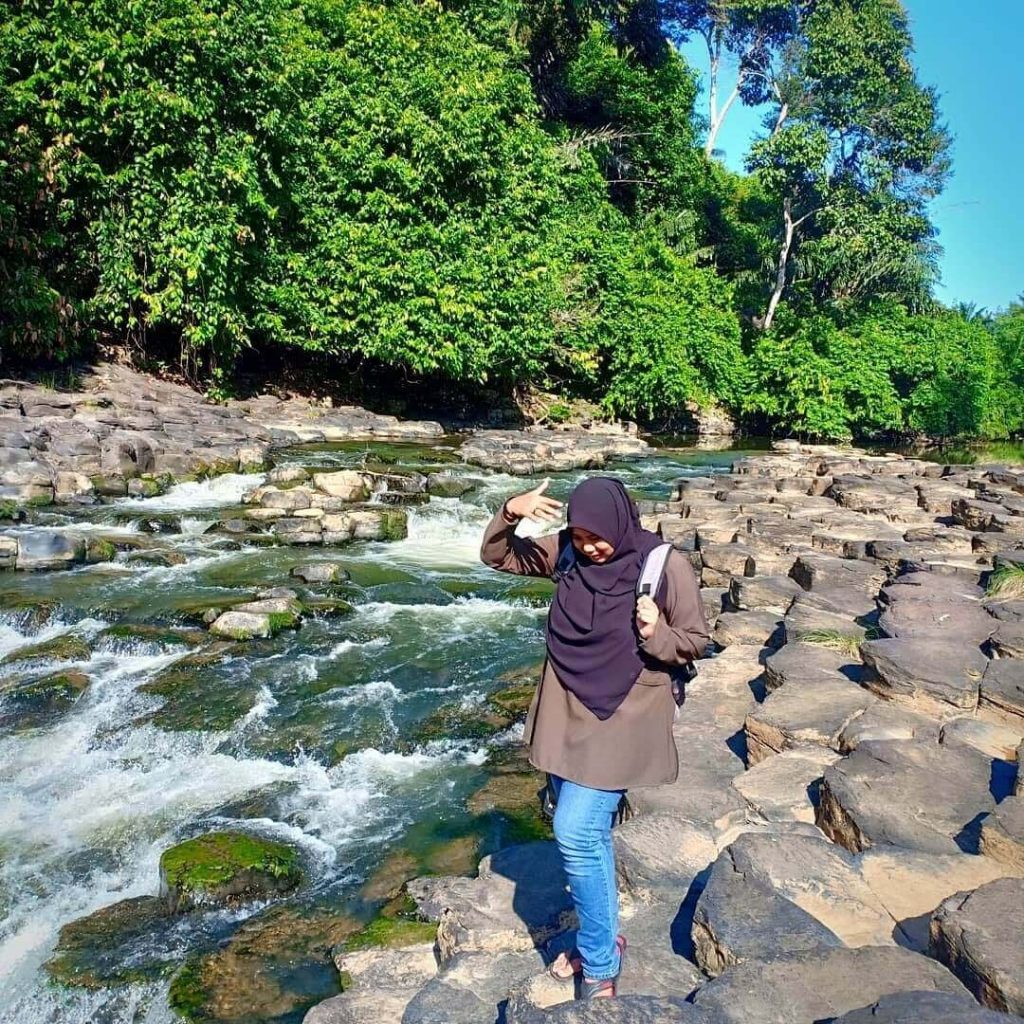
[(66, 647), (99, 951), (391, 933), (226, 867), (99, 549)]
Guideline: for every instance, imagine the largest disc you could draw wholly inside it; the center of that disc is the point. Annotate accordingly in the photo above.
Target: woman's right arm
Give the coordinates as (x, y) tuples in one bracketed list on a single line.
[(503, 550)]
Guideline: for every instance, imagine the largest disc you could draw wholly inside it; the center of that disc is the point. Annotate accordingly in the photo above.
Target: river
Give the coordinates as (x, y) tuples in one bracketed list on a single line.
[(315, 737)]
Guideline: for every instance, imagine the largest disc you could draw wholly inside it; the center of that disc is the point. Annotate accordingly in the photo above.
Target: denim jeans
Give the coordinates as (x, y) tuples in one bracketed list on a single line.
[(583, 831)]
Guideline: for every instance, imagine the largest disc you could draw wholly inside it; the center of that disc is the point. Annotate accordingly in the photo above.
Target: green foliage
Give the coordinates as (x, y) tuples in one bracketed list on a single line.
[(511, 192)]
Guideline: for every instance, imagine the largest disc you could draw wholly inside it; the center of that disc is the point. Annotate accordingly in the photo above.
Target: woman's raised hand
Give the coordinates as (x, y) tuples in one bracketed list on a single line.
[(535, 505)]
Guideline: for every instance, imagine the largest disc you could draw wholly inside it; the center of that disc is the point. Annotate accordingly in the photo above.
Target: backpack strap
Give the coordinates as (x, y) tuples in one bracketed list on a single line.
[(566, 557), (653, 570)]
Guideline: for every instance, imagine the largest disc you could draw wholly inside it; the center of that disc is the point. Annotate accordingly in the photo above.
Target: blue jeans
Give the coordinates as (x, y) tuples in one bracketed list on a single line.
[(583, 831)]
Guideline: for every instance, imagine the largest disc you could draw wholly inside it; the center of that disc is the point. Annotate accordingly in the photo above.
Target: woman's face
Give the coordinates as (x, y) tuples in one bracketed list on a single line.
[(590, 545)]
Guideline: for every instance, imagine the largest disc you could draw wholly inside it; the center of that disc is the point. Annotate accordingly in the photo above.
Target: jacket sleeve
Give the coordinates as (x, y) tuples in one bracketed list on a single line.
[(681, 633), (503, 550)]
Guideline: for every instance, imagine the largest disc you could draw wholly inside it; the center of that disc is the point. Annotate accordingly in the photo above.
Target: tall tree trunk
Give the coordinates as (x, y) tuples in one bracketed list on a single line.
[(782, 266), (790, 227)]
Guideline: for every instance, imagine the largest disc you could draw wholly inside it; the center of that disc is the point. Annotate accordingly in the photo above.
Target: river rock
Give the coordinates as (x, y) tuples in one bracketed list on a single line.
[(1002, 834), (448, 485), (887, 721), (320, 572), (8, 552), (626, 1009), (242, 626), (977, 935), (930, 675), (804, 988), (915, 794), (994, 740), (346, 484), (102, 949), (224, 868), (45, 549), (924, 1008)]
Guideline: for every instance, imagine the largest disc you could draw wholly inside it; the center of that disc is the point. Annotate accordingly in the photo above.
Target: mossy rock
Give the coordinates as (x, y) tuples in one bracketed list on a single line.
[(67, 647), (394, 524), (163, 557), (226, 868), (275, 967), (61, 689), (10, 512), (388, 880), (391, 933), (99, 549), (328, 606), (165, 636), (453, 721), (101, 950), (513, 701)]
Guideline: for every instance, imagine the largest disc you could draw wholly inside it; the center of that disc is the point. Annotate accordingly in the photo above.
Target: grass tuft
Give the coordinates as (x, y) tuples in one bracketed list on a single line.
[(1006, 583), (845, 643)]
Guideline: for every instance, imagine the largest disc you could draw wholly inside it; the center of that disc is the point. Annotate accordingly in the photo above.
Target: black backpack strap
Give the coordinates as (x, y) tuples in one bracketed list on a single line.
[(566, 556)]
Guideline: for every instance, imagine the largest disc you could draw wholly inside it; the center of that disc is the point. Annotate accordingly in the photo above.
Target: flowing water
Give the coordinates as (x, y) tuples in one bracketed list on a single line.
[(315, 737)]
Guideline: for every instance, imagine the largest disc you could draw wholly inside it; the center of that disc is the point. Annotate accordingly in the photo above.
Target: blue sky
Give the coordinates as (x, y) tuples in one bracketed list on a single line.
[(971, 53)]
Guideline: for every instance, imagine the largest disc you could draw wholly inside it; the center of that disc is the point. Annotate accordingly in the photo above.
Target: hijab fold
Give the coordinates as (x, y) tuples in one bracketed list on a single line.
[(591, 636)]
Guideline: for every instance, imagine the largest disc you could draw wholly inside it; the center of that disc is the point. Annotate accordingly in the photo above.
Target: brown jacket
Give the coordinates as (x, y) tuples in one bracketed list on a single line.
[(634, 747)]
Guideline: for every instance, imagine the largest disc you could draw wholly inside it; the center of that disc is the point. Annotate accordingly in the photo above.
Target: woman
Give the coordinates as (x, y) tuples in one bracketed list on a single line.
[(601, 719)]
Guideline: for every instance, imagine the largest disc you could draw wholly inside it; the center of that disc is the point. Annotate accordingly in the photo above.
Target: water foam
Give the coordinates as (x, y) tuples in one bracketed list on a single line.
[(227, 489)]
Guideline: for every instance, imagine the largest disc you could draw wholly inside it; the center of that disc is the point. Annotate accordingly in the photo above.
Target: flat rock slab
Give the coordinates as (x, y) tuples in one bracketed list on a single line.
[(910, 885), (820, 878), (739, 917), (978, 936), (763, 593), (806, 988), (519, 899), (934, 676), (925, 1008), (784, 787), (539, 450), (627, 1009), (914, 794), (758, 627), (888, 721), (993, 739), (1002, 834), (811, 712), (816, 571), (1002, 689), (803, 662)]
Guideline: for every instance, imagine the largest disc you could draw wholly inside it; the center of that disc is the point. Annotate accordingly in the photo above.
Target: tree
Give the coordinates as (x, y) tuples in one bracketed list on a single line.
[(858, 155), (756, 34)]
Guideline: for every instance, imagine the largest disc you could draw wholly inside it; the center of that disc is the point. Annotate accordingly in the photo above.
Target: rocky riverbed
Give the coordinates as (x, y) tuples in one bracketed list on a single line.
[(258, 729)]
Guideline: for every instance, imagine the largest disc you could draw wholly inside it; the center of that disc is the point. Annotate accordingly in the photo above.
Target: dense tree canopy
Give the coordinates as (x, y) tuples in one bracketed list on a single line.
[(512, 192)]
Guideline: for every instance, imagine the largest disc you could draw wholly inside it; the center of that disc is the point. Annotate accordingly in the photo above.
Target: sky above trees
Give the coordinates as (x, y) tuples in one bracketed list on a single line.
[(973, 61)]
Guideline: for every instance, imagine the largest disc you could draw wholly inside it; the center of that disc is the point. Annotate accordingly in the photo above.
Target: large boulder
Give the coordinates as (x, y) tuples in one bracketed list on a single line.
[(978, 936), (741, 916), (913, 794), (819, 985), (49, 549), (805, 712), (934, 676)]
